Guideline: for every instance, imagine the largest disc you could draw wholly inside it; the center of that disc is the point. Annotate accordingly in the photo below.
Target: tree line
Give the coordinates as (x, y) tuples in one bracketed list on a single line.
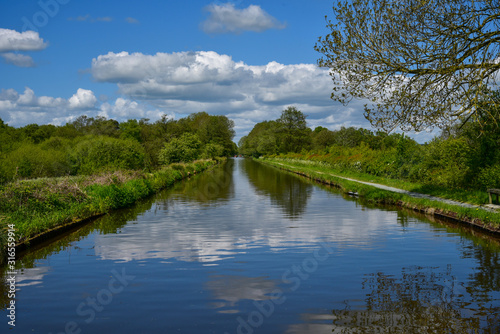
[(290, 134), (461, 157), (91, 145)]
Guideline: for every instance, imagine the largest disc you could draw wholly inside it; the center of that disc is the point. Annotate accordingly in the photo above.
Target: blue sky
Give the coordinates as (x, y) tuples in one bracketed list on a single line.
[(126, 59)]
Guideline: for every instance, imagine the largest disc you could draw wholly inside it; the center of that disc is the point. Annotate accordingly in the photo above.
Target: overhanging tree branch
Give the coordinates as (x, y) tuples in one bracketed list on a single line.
[(421, 63)]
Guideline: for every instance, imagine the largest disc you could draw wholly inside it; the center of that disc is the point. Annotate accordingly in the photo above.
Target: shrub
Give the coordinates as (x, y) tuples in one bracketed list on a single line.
[(212, 150), (448, 162), (98, 154), (489, 177), (32, 161), (183, 149)]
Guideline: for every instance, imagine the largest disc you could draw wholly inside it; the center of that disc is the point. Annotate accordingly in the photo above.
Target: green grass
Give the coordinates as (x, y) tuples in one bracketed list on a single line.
[(322, 173), (36, 206)]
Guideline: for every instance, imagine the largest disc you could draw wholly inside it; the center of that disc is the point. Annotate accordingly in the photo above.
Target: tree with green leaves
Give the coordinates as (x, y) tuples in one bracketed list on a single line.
[(293, 133), (184, 149), (261, 140), (419, 63)]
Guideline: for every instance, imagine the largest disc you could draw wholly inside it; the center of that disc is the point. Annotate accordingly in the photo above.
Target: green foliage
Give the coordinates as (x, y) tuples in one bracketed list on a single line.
[(489, 177), (261, 140), (31, 161), (130, 129), (289, 133), (89, 145), (292, 132), (183, 149), (322, 138), (97, 154), (419, 64), (449, 162), (212, 150)]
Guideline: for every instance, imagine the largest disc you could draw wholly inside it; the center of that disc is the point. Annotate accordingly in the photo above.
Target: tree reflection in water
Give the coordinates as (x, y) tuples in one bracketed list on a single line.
[(212, 187), (285, 191), (424, 300)]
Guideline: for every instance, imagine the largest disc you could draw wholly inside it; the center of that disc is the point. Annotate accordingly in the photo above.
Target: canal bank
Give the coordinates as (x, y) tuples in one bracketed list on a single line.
[(45, 208), (482, 217)]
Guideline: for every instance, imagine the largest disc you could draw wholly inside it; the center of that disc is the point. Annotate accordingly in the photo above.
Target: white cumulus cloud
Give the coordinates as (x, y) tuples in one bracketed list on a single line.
[(225, 18), (207, 76), (187, 82), (83, 99), (11, 40), (124, 109)]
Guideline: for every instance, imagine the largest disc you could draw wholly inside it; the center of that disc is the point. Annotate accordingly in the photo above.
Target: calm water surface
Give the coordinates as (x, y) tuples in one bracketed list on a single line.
[(244, 248)]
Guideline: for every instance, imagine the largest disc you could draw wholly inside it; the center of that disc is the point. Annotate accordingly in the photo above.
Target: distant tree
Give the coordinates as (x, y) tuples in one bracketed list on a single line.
[(293, 133), (212, 150), (130, 129), (261, 140), (322, 137), (420, 63), (218, 130), (349, 137), (99, 125)]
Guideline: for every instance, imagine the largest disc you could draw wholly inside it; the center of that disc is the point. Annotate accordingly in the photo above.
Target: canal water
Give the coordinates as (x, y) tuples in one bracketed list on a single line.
[(245, 248)]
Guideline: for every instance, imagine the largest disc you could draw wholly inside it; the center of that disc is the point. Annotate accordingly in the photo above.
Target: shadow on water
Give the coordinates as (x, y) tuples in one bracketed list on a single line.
[(286, 191)]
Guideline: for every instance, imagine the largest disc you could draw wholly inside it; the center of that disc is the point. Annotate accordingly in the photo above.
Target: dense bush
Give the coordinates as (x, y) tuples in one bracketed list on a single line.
[(212, 150), (97, 154), (184, 149), (31, 161)]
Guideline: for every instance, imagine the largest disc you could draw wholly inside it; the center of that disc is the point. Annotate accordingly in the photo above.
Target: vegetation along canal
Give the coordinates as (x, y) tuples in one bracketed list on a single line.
[(246, 248)]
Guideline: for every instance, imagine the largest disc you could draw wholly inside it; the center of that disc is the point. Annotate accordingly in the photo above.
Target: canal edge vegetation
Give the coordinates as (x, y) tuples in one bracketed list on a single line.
[(46, 207), (486, 220), (52, 176)]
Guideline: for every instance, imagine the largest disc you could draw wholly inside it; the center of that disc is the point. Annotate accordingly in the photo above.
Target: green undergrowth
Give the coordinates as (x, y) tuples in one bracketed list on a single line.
[(36, 206), (373, 194), (462, 195)]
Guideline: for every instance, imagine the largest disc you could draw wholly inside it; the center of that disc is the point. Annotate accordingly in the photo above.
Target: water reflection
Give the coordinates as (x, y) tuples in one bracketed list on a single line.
[(422, 300), (486, 277), (286, 191), (212, 187), (229, 290)]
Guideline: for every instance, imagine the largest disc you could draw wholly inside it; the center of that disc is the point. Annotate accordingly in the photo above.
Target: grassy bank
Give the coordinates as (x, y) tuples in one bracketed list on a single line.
[(40, 205), (322, 173)]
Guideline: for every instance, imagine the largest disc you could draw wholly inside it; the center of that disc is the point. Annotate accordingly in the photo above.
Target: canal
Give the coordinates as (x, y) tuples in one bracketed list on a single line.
[(245, 248)]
